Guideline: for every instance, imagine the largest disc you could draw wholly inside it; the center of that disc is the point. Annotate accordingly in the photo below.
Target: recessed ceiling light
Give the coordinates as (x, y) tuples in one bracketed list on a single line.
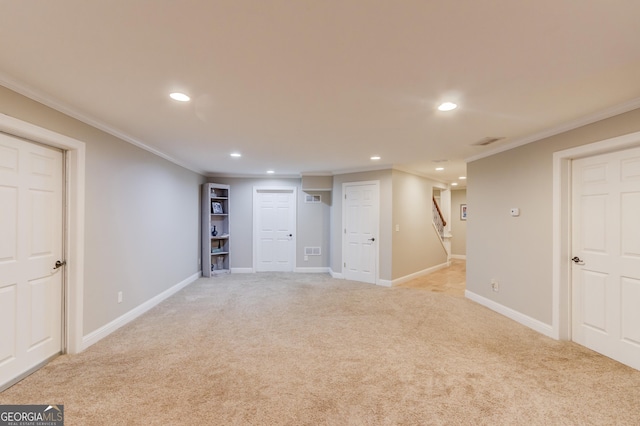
[(375, 157), (454, 184), (462, 177), (447, 106), (270, 172), (439, 169), (177, 96), (235, 154)]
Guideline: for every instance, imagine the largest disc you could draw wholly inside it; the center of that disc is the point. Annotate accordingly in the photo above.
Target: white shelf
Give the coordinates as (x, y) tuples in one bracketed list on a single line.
[(211, 243)]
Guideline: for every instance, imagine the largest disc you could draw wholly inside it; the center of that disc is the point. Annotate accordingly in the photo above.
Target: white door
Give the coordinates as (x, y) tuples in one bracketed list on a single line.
[(361, 222), (606, 255), (30, 245), (275, 225)]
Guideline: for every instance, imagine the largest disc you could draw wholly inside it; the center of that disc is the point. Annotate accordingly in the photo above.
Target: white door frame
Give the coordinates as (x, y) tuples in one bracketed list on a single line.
[(73, 227), (344, 221), (561, 290), (294, 191)]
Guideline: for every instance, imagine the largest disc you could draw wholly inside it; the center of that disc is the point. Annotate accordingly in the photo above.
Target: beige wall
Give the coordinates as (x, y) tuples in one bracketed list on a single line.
[(458, 227), (517, 251), (141, 216), (416, 245)]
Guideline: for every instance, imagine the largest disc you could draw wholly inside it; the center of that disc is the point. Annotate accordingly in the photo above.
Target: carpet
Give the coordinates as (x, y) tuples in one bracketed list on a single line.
[(306, 349)]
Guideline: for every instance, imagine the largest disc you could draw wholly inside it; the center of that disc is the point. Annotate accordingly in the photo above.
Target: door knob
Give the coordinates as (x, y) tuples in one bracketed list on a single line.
[(577, 260), (59, 264), (372, 239)]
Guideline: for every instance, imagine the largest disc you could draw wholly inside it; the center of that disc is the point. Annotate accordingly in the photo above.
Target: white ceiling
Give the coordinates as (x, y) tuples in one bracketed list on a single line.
[(320, 86)]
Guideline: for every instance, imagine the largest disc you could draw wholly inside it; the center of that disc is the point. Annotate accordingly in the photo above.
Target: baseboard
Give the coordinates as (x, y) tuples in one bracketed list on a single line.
[(312, 270), (384, 283), (418, 274), (459, 256), (336, 275), (105, 330), (523, 319), (242, 270)]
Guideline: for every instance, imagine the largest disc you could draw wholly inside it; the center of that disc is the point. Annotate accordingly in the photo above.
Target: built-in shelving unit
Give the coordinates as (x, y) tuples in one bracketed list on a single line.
[(215, 229)]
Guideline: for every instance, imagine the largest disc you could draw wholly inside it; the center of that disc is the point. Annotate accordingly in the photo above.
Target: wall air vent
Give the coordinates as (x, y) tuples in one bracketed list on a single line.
[(487, 141), (312, 251)]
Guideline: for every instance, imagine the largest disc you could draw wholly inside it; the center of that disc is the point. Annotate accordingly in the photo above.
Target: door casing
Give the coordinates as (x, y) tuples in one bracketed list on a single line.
[(561, 289), (73, 227), (284, 189)]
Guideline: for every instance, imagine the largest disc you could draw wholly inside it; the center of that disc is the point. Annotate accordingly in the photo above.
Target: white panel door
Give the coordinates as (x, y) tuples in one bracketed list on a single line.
[(30, 245), (275, 228), (606, 250), (361, 222)]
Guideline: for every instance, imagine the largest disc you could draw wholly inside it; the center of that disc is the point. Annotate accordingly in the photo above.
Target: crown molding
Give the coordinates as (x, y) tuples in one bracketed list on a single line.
[(55, 104), (565, 127)]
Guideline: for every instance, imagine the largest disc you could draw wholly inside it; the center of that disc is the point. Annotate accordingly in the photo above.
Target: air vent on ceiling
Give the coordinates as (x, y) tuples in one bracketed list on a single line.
[(487, 141)]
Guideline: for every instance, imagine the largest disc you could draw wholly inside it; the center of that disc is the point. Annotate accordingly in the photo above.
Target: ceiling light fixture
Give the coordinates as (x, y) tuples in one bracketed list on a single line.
[(454, 184), (447, 106), (235, 155), (462, 177), (439, 169), (270, 172), (375, 157), (181, 97)]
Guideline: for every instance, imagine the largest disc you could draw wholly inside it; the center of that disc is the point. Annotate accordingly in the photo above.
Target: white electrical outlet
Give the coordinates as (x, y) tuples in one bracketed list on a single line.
[(495, 286), (119, 297), (306, 258)]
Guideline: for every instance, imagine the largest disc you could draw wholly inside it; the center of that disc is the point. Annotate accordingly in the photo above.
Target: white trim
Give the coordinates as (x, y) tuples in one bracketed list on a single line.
[(376, 183), (459, 256), (107, 329), (312, 270), (561, 296), (574, 124), (294, 191), (384, 283), (336, 275), (523, 319), (74, 226), (81, 116), (409, 277)]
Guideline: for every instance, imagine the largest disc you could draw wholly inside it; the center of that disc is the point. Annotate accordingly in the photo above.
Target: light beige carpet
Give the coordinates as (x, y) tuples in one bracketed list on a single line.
[(297, 349)]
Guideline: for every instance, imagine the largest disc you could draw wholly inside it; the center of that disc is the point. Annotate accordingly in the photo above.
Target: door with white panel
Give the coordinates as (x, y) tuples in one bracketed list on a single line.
[(361, 211), (31, 183), (274, 226), (606, 254)]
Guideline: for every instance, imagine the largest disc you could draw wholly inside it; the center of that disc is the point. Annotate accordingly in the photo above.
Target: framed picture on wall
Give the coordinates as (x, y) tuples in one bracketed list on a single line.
[(463, 212)]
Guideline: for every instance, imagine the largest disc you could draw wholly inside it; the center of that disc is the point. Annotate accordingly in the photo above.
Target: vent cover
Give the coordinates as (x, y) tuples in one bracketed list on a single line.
[(312, 251), (312, 198), (487, 141)]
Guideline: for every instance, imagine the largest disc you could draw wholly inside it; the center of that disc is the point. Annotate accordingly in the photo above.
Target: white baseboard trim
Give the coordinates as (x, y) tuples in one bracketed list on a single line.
[(385, 283), (242, 270), (312, 270), (418, 274), (105, 330), (459, 256), (336, 275), (523, 319)]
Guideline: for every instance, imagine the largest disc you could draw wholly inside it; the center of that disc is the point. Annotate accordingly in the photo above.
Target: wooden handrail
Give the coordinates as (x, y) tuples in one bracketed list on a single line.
[(444, 222)]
